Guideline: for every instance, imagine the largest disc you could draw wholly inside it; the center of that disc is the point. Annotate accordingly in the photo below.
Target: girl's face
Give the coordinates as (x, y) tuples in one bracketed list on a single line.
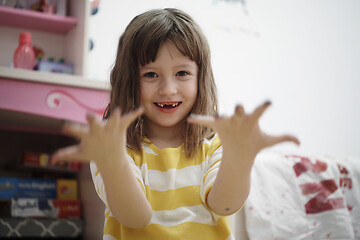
[(168, 87)]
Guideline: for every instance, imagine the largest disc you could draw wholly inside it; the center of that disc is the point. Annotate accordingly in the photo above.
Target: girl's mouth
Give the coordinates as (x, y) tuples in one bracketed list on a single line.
[(167, 107)]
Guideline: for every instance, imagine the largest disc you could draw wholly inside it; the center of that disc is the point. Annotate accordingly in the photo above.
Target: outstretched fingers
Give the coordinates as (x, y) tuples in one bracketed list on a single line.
[(77, 130), (239, 110), (259, 111), (91, 119), (66, 155), (128, 118), (273, 140), (114, 118), (124, 120), (201, 119)]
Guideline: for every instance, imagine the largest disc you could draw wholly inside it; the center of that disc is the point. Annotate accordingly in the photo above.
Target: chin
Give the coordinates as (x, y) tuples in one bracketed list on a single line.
[(168, 124)]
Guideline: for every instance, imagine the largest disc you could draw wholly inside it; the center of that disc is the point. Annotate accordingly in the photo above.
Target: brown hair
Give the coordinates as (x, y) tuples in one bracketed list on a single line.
[(138, 45)]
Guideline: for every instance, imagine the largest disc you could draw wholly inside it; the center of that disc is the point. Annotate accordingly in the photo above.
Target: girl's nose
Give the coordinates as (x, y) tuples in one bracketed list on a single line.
[(168, 86)]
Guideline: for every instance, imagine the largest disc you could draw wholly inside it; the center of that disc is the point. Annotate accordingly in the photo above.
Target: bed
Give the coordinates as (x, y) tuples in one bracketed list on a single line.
[(301, 197)]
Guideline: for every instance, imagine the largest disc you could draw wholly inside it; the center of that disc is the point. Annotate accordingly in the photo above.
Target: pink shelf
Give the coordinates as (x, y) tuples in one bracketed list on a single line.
[(13, 17)]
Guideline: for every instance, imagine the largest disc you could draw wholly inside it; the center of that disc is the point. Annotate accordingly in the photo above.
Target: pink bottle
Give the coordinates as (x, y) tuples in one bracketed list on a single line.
[(24, 56)]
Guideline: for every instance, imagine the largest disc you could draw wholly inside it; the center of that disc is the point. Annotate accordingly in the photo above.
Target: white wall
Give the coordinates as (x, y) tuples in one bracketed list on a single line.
[(302, 55)]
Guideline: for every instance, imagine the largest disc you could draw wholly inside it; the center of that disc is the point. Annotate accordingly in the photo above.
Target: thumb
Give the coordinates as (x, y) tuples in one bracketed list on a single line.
[(68, 154), (128, 118), (202, 120)]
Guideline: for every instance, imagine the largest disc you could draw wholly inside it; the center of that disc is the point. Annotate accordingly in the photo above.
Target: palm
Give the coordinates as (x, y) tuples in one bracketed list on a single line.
[(241, 131), (98, 140)]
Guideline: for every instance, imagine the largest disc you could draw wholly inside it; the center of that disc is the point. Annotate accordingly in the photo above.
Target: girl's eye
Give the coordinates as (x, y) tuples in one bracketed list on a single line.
[(150, 75), (181, 73)]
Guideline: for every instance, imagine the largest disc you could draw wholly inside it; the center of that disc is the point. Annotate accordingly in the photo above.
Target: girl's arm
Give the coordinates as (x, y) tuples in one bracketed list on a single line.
[(125, 197), (242, 139), (105, 144)]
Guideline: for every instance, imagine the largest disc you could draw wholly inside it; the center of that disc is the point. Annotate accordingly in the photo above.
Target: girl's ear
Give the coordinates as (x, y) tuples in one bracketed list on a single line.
[(106, 112)]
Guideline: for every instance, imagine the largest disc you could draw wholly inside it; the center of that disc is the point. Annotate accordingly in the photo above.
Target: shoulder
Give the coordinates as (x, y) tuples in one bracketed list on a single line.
[(146, 152), (211, 145), (135, 155)]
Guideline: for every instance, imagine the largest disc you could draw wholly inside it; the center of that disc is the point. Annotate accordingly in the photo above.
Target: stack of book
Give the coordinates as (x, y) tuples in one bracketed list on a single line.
[(53, 198), (23, 200)]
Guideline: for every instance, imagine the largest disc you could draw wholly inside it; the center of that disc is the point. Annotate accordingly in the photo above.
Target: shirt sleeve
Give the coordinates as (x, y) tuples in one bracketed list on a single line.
[(99, 184), (212, 163)]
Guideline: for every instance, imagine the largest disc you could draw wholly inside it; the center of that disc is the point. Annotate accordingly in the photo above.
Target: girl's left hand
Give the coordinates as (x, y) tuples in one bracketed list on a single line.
[(240, 133), (99, 141)]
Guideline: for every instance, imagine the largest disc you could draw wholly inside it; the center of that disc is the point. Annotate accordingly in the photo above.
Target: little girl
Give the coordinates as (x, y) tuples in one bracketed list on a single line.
[(164, 163)]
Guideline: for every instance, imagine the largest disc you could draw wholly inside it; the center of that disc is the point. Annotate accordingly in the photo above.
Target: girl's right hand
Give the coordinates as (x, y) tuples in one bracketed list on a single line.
[(99, 141)]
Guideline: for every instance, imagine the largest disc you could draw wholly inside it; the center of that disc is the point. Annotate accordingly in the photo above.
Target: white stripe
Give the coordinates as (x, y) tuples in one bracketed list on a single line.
[(109, 237), (231, 237), (148, 150), (215, 156), (209, 181), (98, 183), (210, 178), (209, 141), (136, 169), (175, 178), (195, 214), (144, 173)]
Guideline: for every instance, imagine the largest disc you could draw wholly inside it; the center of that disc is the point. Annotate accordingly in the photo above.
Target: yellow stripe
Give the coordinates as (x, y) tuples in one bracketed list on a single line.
[(107, 213), (173, 157), (97, 172), (172, 199), (182, 231), (214, 146), (168, 160), (113, 227), (160, 151)]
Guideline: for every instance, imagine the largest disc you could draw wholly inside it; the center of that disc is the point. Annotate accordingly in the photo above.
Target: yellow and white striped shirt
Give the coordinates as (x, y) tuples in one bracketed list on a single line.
[(177, 188)]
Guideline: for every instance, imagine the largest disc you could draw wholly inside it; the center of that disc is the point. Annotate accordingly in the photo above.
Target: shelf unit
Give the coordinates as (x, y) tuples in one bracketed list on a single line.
[(23, 18), (52, 78), (11, 165), (34, 105), (58, 36)]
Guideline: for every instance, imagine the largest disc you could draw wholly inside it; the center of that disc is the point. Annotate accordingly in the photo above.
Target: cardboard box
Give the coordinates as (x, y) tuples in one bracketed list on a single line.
[(36, 188), (54, 67), (27, 188), (50, 208), (75, 166), (36, 159), (68, 208), (67, 189), (43, 160), (8, 188)]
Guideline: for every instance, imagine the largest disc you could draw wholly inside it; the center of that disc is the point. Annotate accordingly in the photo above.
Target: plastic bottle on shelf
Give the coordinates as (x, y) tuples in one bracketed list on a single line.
[(24, 56)]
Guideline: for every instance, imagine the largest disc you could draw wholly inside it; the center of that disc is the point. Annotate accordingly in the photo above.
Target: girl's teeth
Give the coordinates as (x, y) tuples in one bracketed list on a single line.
[(172, 105)]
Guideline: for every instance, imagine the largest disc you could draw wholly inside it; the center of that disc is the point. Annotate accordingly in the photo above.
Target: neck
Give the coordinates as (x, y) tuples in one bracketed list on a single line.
[(164, 137)]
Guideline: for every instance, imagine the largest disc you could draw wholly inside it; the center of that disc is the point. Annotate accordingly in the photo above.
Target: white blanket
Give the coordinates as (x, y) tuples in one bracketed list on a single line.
[(303, 197)]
